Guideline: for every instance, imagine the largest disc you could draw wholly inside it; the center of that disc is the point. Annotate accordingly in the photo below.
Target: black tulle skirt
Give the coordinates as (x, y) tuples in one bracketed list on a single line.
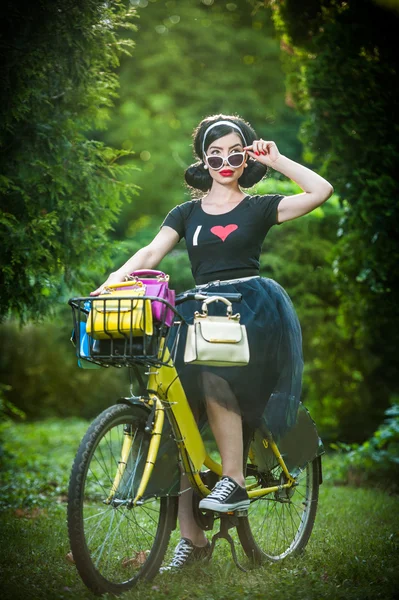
[(267, 391)]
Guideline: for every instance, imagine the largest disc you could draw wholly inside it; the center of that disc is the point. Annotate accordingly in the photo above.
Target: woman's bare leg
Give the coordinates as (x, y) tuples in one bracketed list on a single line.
[(226, 426), (225, 423), (188, 525)]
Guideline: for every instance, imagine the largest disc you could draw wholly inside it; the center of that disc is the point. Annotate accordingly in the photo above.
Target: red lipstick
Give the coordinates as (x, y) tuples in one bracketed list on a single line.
[(226, 173)]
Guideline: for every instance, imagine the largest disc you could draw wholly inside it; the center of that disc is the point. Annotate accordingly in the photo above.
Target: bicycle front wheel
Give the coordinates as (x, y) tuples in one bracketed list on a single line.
[(279, 524), (114, 543)]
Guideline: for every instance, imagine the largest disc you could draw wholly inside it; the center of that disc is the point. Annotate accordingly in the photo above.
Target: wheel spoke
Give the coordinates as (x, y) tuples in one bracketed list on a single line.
[(279, 523)]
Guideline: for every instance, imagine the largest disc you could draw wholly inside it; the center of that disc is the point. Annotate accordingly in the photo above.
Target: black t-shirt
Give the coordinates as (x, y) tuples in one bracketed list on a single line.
[(224, 246)]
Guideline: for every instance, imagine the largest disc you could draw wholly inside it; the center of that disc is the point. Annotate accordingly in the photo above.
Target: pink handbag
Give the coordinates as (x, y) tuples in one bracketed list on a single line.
[(157, 284)]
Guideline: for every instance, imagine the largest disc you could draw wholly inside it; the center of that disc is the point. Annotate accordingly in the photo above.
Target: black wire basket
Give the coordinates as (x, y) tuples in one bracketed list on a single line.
[(120, 331)]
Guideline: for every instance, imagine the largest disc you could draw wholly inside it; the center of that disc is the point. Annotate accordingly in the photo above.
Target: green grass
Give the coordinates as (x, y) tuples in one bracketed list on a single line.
[(352, 553)]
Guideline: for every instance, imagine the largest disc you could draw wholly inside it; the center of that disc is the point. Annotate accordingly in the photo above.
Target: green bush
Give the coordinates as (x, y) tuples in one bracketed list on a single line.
[(376, 461), (341, 66), (39, 368)]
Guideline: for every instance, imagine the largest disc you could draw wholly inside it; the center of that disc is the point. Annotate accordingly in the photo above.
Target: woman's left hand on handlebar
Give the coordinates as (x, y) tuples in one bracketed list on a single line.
[(264, 152)]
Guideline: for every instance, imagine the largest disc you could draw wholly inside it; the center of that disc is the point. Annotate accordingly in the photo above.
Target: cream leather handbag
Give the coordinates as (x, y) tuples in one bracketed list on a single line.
[(217, 341)]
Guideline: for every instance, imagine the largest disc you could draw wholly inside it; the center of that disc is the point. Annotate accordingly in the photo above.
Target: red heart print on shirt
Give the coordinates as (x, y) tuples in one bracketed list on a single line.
[(223, 232)]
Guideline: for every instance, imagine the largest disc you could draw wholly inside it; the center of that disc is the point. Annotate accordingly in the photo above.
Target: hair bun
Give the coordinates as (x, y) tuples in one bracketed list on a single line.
[(254, 172), (198, 177)]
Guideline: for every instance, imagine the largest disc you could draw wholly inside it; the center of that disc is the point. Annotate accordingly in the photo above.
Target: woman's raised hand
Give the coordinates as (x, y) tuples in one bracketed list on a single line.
[(266, 153), (113, 278)]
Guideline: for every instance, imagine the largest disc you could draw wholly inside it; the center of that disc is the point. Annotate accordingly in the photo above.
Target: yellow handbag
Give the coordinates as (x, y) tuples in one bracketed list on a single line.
[(126, 314)]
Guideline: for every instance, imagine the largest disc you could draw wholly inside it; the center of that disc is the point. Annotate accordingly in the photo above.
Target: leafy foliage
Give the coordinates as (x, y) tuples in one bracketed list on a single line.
[(299, 255), (63, 192), (376, 461), (193, 59), (60, 192), (39, 366), (8, 410), (341, 64)]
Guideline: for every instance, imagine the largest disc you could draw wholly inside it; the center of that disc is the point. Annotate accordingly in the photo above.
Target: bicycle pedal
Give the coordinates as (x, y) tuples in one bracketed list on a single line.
[(237, 513)]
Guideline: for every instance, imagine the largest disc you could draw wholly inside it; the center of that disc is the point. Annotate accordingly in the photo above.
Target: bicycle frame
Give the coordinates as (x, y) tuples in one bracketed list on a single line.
[(170, 398)]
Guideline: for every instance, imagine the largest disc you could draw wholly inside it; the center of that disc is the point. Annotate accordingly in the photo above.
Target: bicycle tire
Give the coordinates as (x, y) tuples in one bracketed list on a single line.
[(114, 544), (280, 524)]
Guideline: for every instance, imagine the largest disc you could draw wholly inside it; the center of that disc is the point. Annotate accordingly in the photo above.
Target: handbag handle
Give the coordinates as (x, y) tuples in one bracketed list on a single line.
[(211, 299), (112, 286), (151, 272)]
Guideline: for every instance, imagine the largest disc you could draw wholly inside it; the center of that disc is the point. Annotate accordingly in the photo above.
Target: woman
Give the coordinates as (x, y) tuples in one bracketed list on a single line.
[(224, 231)]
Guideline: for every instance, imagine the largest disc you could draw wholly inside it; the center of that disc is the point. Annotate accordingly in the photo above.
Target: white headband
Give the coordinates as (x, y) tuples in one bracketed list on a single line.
[(221, 123)]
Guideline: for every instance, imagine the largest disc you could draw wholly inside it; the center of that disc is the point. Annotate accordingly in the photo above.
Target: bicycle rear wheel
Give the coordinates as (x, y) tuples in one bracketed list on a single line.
[(113, 543), (279, 524)]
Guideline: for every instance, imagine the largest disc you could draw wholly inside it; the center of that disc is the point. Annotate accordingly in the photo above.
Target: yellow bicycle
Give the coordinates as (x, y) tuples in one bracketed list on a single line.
[(125, 480)]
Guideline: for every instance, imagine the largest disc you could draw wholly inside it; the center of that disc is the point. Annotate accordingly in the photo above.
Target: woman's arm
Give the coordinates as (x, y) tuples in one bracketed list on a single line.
[(316, 189), (145, 258)]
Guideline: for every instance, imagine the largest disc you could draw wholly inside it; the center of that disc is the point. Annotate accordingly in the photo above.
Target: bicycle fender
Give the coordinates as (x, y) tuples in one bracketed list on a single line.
[(135, 401), (165, 478), (320, 471)]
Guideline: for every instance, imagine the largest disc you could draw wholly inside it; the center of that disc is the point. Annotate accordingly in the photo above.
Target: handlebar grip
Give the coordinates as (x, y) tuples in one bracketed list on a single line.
[(202, 295), (231, 297)]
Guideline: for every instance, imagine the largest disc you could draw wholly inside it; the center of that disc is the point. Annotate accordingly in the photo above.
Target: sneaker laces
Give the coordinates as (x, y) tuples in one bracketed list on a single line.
[(182, 552), (222, 489)]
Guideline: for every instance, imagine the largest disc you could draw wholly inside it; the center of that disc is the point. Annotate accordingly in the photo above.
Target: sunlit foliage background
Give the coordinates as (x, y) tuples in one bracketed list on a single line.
[(98, 104)]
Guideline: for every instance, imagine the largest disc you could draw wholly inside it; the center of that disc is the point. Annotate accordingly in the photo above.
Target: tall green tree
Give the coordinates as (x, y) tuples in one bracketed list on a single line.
[(342, 66), (60, 192)]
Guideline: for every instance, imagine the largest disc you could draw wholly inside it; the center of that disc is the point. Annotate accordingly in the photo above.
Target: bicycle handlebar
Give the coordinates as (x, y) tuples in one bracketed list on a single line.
[(80, 303), (203, 295)]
